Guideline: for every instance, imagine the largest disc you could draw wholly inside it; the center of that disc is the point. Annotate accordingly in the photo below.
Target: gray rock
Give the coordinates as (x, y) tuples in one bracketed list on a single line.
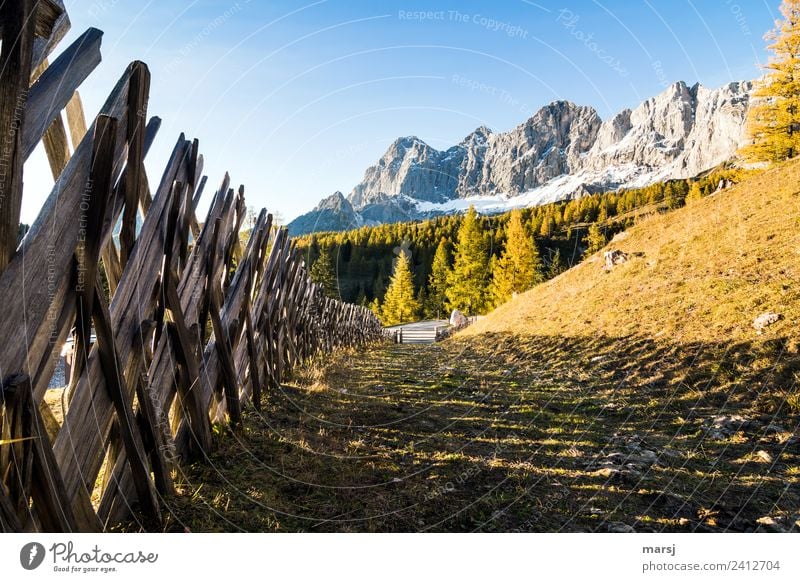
[(619, 527), (614, 258), (412, 168), (722, 426), (764, 320), (458, 319)]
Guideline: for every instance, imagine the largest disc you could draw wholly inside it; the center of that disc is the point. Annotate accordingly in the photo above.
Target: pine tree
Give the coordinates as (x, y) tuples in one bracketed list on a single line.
[(400, 304), (595, 239), (774, 117), (519, 266), (437, 282), (422, 301), (468, 281), (323, 274)]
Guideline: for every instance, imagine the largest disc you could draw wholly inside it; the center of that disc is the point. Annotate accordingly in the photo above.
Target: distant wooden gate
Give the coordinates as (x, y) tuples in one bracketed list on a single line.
[(190, 323)]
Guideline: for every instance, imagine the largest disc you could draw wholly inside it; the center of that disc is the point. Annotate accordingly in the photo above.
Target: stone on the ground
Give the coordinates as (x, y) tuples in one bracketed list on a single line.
[(764, 320), (634, 460), (722, 426), (764, 456), (619, 527), (458, 319), (614, 258), (779, 523)]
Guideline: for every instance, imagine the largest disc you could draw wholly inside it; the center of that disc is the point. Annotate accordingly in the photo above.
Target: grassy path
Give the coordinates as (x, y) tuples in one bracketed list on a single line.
[(535, 434)]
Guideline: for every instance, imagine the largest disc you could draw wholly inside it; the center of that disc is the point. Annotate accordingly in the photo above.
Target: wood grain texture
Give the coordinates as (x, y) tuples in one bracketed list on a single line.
[(16, 56)]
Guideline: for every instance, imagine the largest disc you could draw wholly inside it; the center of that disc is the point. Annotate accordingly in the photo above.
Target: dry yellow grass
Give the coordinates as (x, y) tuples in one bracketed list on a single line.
[(702, 273)]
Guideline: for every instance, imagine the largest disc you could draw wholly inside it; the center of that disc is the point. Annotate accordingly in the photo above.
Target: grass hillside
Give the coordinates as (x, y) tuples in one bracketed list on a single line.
[(639, 399), (701, 273)]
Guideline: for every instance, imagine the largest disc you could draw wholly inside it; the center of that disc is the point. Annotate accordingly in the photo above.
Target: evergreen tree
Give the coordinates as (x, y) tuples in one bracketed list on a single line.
[(519, 267), (774, 115), (422, 301), (437, 282), (556, 266), (595, 239), (468, 281), (400, 305), (323, 273)]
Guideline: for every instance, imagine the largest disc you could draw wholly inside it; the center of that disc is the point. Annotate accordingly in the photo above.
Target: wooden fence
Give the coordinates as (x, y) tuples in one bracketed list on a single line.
[(190, 324)]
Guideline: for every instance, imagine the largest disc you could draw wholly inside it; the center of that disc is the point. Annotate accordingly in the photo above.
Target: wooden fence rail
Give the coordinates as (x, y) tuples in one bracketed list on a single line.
[(190, 325)]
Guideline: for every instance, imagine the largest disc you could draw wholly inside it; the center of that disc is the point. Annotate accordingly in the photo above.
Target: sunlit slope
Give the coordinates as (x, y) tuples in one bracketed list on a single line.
[(702, 273)]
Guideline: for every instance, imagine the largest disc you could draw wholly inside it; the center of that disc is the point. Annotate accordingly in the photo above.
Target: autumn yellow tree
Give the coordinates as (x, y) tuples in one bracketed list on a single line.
[(774, 118), (519, 267), (467, 282), (400, 305)]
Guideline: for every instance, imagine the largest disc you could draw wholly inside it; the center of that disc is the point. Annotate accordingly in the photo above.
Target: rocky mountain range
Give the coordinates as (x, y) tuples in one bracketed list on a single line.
[(563, 151)]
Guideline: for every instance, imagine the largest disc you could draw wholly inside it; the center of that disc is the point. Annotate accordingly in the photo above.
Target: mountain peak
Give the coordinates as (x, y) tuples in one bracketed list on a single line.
[(335, 201), (406, 142), (563, 150), (479, 136)]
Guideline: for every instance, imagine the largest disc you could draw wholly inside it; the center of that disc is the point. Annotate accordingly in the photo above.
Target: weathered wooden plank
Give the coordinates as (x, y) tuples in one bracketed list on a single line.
[(44, 44), (55, 87), (137, 115), (224, 337), (9, 522), (247, 357), (119, 489), (89, 416), (60, 326), (191, 293), (76, 120), (121, 398), (195, 201), (15, 452), (47, 487), (177, 345), (91, 302), (252, 352), (232, 316), (110, 255), (94, 200), (150, 427), (36, 281), (56, 147), (15, 73), (186, 354)]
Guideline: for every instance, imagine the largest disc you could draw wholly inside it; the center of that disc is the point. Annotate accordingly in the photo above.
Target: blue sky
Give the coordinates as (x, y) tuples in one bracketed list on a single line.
[(297, 98)]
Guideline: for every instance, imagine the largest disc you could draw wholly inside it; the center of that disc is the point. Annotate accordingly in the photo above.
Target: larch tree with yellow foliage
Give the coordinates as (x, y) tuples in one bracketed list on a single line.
[(519, 267), (400, 304), (773, 121)]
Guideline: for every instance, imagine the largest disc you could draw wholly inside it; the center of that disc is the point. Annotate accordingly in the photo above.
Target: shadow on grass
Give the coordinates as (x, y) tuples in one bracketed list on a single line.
[(508, 433)]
